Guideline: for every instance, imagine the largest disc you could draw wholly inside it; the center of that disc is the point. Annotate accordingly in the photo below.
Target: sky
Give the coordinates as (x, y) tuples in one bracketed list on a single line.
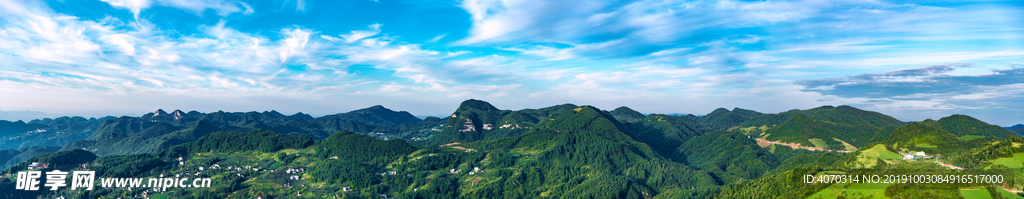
[(911, 60)]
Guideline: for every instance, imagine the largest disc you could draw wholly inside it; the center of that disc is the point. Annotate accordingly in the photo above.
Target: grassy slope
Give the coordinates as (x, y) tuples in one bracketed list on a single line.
[(1017, 161)]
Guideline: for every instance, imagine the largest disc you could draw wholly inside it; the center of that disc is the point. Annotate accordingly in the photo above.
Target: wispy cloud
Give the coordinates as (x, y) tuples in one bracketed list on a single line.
[(222, 8), (929, 88)]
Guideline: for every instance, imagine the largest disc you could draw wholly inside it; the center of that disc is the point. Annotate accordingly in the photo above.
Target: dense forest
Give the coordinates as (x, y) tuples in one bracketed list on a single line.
[(563, 151)]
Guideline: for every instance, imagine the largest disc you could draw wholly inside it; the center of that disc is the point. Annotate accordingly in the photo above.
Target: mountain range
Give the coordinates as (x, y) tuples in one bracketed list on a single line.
[(562, 151)]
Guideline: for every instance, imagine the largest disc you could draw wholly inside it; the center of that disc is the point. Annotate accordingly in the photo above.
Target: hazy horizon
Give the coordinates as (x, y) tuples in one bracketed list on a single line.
[(30, 115)]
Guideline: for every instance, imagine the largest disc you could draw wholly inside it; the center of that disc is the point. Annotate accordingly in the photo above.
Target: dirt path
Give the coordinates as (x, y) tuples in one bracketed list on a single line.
[(451, 145), (764, 142)]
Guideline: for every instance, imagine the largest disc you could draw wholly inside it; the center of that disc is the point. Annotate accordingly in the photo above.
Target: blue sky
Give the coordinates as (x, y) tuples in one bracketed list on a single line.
[(912, 60)]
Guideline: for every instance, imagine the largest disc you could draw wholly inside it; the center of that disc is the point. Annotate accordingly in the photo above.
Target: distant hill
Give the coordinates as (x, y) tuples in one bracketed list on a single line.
[(921, 136), (232, 141), (377, 116), (477, 120), (954, 133), (625, 114), (128, 135), (11, 157), (963, 125), (8, 128), (824, 127), (159, 130), (46, 132), (1019, 129), (722, 118)]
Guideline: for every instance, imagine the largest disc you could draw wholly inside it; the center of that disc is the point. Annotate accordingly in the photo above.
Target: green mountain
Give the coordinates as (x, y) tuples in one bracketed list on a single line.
[(8, 128), (233, 141), (478, 120), (378, 116), (1010, 150), (951, 134), (346, 145), (119, 137), (827, 127), (841, 114), (120, 128), (962, 125), (920, 136), (13, 157), (158, 131), (1019, 129), (64, 160), (665, 133), (469, 122), (722, 118), (729, 156), (46, 132), (563, 151), (626, 115), (585, 153)]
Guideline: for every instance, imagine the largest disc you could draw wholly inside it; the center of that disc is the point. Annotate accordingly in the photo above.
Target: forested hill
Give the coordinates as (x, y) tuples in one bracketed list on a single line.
[(46, 132), (160, 130), (1019, 129), (827, 127), (11, 157), (377, 116), (477, 120), (950, 134)]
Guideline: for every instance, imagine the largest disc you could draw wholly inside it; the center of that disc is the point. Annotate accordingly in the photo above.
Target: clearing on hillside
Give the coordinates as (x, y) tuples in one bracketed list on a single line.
[(975, 193), (1017, 161), (926, 146)]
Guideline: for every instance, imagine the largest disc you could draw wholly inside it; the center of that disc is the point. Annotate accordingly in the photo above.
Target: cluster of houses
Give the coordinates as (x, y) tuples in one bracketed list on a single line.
[(918, 155), (295, 170), (388, 173), (36, 165), (475, 170)]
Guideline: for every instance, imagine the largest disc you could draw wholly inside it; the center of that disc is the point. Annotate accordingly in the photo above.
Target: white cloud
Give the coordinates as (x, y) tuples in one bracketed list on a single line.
[(300, 5), (223, 8), (437, 38), (133, 5), (356, 35), (549, 53), (294, 44)]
